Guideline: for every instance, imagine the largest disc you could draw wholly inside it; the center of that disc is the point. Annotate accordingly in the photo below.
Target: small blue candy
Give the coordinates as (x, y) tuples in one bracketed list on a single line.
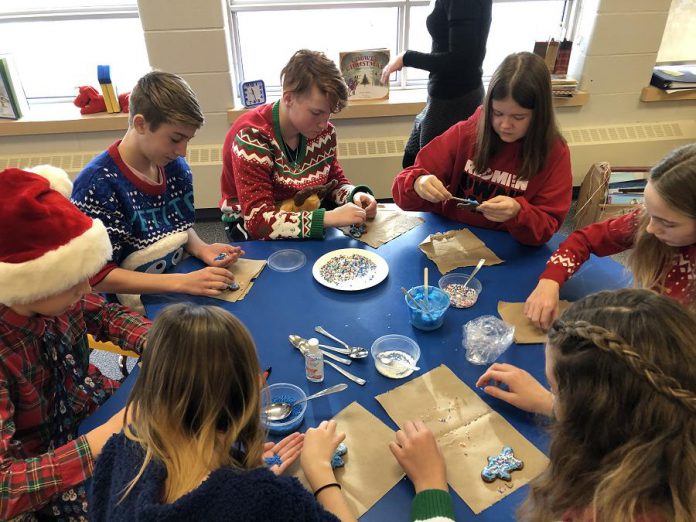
[(220, 257), (336, 460), (273, 461)]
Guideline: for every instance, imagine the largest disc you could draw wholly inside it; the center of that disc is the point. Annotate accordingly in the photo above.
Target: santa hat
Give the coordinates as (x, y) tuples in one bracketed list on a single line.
[(46, 244)]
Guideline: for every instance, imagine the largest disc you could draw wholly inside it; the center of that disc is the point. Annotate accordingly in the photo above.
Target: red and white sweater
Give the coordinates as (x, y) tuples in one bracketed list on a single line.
[(611, 237), (545, 199), (257, 174)]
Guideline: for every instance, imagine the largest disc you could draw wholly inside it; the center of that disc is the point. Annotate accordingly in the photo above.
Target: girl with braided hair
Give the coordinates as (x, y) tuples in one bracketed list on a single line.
[(662, 236), (621, 366)]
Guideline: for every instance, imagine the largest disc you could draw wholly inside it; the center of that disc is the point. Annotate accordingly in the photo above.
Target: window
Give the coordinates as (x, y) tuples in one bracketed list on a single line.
[(57, 44), (265, 33)]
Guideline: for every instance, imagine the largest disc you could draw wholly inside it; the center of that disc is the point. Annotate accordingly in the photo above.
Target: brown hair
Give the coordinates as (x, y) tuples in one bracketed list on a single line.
[(624, 444), (525, 78), (674, 179), (307, 68), (163, 97), (197, 397)]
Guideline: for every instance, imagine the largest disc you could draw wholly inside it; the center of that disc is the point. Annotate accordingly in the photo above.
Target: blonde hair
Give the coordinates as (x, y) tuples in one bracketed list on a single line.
[(163, 97), (624, 444), (197, 397), (308, 68), (674, 179)]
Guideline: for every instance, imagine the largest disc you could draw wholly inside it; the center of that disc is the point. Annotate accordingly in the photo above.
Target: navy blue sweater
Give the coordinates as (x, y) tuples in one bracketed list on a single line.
[(227, 494)]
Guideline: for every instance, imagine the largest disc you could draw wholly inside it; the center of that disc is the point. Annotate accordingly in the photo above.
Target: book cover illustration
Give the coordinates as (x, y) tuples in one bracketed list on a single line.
[(13, 100), (362, 71)]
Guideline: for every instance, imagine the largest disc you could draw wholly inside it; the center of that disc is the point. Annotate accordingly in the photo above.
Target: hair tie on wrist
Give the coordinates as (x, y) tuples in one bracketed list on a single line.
[(330, 485)]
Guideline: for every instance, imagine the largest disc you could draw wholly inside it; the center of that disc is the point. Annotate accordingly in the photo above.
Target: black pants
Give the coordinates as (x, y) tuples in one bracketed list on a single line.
[(436, 117)]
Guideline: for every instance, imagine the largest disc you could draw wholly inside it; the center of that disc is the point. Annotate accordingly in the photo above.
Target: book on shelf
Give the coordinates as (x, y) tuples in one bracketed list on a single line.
[(674, 77), (563, 87), (362, 72), (13, 100), (108, 89)]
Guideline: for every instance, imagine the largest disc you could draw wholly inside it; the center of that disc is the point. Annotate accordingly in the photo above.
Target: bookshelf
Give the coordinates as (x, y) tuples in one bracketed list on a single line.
[(653, 94)]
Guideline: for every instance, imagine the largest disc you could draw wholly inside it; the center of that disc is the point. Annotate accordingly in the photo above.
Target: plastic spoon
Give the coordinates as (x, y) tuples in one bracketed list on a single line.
[(478, 267)]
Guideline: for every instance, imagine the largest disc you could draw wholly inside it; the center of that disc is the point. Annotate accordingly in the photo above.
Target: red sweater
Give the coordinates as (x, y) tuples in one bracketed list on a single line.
[(256, 174), (611, 237), (545, 199)]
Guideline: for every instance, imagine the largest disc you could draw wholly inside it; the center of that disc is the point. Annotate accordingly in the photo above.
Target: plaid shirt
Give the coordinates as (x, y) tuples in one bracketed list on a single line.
[(30, 472)]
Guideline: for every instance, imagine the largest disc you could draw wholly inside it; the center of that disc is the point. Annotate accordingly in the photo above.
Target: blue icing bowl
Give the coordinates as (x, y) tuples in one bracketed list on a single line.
[(434, 314), (284, 392)]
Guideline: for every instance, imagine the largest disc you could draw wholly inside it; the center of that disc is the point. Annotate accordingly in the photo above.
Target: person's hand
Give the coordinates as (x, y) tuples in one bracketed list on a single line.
[(212, 255), (287, 449), (319, 447), (499, 208), (99, 435), (417, 452), (209, 281), (524, 391), (367, 202), (430, 188), (541, 307), (348, 214), (396, 64)]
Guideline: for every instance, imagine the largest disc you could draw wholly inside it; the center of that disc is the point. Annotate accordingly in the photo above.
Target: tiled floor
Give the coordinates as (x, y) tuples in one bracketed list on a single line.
[(212, 232)]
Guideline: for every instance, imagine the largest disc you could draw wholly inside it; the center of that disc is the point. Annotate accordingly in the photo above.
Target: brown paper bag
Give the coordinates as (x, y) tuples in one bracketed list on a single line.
[(525, 331), (370, 469), (456, 248), (245, 271), (467, 430), (386, 225)]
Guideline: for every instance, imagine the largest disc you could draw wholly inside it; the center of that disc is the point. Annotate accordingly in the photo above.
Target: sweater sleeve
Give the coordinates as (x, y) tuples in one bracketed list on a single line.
[(253, 165), (464, 21), (432, 505), (115, 323), (437, 158), (542, 215), (603, 239)]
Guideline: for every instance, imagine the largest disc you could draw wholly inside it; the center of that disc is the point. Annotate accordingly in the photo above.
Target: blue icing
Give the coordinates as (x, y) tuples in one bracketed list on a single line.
[(337, 460), (501, 465)]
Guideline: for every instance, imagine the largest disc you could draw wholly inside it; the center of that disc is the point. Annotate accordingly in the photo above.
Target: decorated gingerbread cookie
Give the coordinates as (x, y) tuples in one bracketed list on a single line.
[(337, 460), (500, 466)]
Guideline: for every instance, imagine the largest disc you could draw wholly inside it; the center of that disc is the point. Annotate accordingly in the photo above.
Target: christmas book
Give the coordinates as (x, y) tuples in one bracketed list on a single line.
[(362, 72)]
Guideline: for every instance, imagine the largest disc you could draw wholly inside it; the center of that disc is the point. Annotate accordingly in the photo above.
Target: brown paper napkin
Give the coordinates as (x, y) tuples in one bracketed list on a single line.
[(370, 469), (468, 432), (450, 250), (525, 331), (387, 225), (245, 271)]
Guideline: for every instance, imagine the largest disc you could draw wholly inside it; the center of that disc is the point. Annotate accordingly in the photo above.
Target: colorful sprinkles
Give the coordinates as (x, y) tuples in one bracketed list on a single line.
[(346, 268), (461, 296), (501, 465)]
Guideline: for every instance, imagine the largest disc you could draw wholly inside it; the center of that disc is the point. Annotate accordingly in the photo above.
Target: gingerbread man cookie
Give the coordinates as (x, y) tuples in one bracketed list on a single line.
[(500, 466)]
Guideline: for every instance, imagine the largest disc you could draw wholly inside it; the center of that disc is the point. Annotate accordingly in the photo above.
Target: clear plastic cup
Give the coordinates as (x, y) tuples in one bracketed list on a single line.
[(395, 355), (486, 338), (430, 315)]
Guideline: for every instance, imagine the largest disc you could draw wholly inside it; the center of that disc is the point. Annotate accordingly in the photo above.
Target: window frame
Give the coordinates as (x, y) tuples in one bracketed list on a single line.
[(569, 27)]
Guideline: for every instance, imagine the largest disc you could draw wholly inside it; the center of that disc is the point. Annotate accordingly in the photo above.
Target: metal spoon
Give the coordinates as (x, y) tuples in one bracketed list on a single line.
[(401, 365), (296, 341), (358, 380), (356, 352), (471, 276), (278, 411)]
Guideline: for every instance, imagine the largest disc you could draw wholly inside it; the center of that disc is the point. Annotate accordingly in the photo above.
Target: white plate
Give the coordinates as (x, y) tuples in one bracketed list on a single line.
[(360, 283)]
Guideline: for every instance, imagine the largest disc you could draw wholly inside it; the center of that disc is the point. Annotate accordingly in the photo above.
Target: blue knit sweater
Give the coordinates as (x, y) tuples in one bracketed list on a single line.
[(227, 494)]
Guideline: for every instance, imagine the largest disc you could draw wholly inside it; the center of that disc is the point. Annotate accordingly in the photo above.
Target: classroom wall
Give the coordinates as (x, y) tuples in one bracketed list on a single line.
[(613, 56)]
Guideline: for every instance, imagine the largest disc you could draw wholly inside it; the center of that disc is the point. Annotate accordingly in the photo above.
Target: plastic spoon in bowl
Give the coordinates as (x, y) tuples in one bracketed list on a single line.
[(471, 276), (401, 365), (278, 411), (413, 300)]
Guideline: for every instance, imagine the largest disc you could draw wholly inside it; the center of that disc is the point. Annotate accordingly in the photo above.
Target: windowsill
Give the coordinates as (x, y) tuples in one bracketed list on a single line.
[(62, 118), (65, 118), (653, 94)]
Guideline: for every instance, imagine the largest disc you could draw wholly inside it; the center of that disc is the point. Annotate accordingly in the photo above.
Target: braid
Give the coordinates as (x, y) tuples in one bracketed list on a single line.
[(611, 343)]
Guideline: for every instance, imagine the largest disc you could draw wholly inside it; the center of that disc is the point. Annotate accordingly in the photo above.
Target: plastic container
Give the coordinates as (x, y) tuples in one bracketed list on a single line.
[(403, 351), (314, 361), (287, 260), (434, 314), (284, 392), (486, 338), (460, 296)]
